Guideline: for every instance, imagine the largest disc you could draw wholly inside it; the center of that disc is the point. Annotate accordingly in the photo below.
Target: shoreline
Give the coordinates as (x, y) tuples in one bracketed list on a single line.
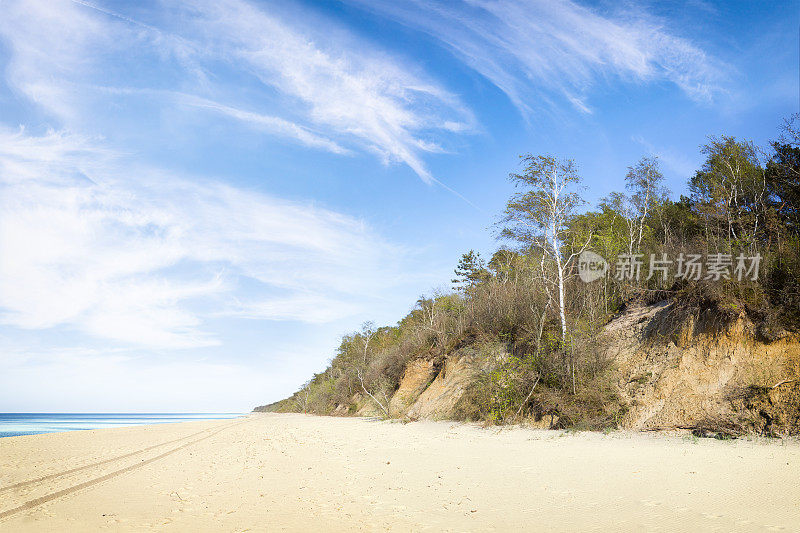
[(19, 424), (297, 472)]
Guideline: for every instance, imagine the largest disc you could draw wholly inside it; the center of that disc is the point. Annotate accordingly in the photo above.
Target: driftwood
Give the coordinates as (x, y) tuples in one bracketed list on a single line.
[(784, 382)]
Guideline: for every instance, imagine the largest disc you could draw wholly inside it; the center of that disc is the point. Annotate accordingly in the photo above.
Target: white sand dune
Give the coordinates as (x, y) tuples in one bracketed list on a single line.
[(271, 472)]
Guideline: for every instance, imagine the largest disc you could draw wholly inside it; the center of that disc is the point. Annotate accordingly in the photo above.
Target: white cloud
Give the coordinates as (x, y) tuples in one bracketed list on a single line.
[(538, 50), (91, 241), (270, 124), (326, 96), (681, 165), (47, 43), (366, 97), (266, 123), (314, 308)]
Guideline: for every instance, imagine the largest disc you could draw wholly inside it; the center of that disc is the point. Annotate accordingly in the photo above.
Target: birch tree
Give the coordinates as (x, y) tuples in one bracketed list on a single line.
[(621, 205), (539, 214), (730, 188), (644, 181)]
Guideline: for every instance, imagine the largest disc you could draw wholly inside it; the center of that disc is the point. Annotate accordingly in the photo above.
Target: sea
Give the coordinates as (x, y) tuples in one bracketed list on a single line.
[(14, 424)]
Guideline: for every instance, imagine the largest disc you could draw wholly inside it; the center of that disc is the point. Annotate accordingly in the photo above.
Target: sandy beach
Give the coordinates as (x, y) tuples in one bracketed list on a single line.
[(303, 473)]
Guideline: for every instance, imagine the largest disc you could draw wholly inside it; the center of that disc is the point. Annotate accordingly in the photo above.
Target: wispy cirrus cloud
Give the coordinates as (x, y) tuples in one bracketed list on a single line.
[(97, 242), (361, 96), (681, 165), (331, 93), (542, 52), (92, 241), (271, 124), (257, 121)]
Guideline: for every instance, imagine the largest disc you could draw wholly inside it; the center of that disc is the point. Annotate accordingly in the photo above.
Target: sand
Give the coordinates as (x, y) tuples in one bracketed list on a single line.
[(268, 472)]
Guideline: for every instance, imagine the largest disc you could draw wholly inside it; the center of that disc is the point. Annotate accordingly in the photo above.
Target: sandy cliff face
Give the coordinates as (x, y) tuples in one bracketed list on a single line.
[(682, 369), (417, 379), (439, 399), (672, 367), (427, 390)]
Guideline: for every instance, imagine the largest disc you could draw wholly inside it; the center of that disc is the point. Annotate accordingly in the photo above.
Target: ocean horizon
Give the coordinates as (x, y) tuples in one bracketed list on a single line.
[(16, 424)]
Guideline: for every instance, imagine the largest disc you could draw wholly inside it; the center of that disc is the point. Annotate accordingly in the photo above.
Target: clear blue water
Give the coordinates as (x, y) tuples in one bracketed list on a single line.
[(13, 424)]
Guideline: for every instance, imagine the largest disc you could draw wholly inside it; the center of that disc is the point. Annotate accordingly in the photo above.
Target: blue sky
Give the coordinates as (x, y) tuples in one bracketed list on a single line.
[(198, 198)]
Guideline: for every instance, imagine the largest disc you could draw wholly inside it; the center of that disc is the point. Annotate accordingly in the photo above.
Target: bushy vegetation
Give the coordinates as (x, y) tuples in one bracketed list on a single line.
[(531, 321)]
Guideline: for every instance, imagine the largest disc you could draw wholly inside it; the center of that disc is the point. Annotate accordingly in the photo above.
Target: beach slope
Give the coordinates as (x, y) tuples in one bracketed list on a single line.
[(297, 473)]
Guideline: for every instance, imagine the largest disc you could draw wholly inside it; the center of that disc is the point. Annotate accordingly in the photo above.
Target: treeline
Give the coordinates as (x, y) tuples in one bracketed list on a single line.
[(528, 303)]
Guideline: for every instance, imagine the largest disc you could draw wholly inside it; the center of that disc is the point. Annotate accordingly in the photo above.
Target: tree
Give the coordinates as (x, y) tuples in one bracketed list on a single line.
[(367, 333), (385, 405), (644, 181), (783, 177), (783, 183), (540, 214), (303, 395), (471, 270), (620, 205), (729, 190), (680, 224), (503, 263)]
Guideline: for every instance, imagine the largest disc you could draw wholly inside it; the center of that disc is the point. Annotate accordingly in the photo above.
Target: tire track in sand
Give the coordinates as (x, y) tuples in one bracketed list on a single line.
[(55, 475), (69, 490)]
